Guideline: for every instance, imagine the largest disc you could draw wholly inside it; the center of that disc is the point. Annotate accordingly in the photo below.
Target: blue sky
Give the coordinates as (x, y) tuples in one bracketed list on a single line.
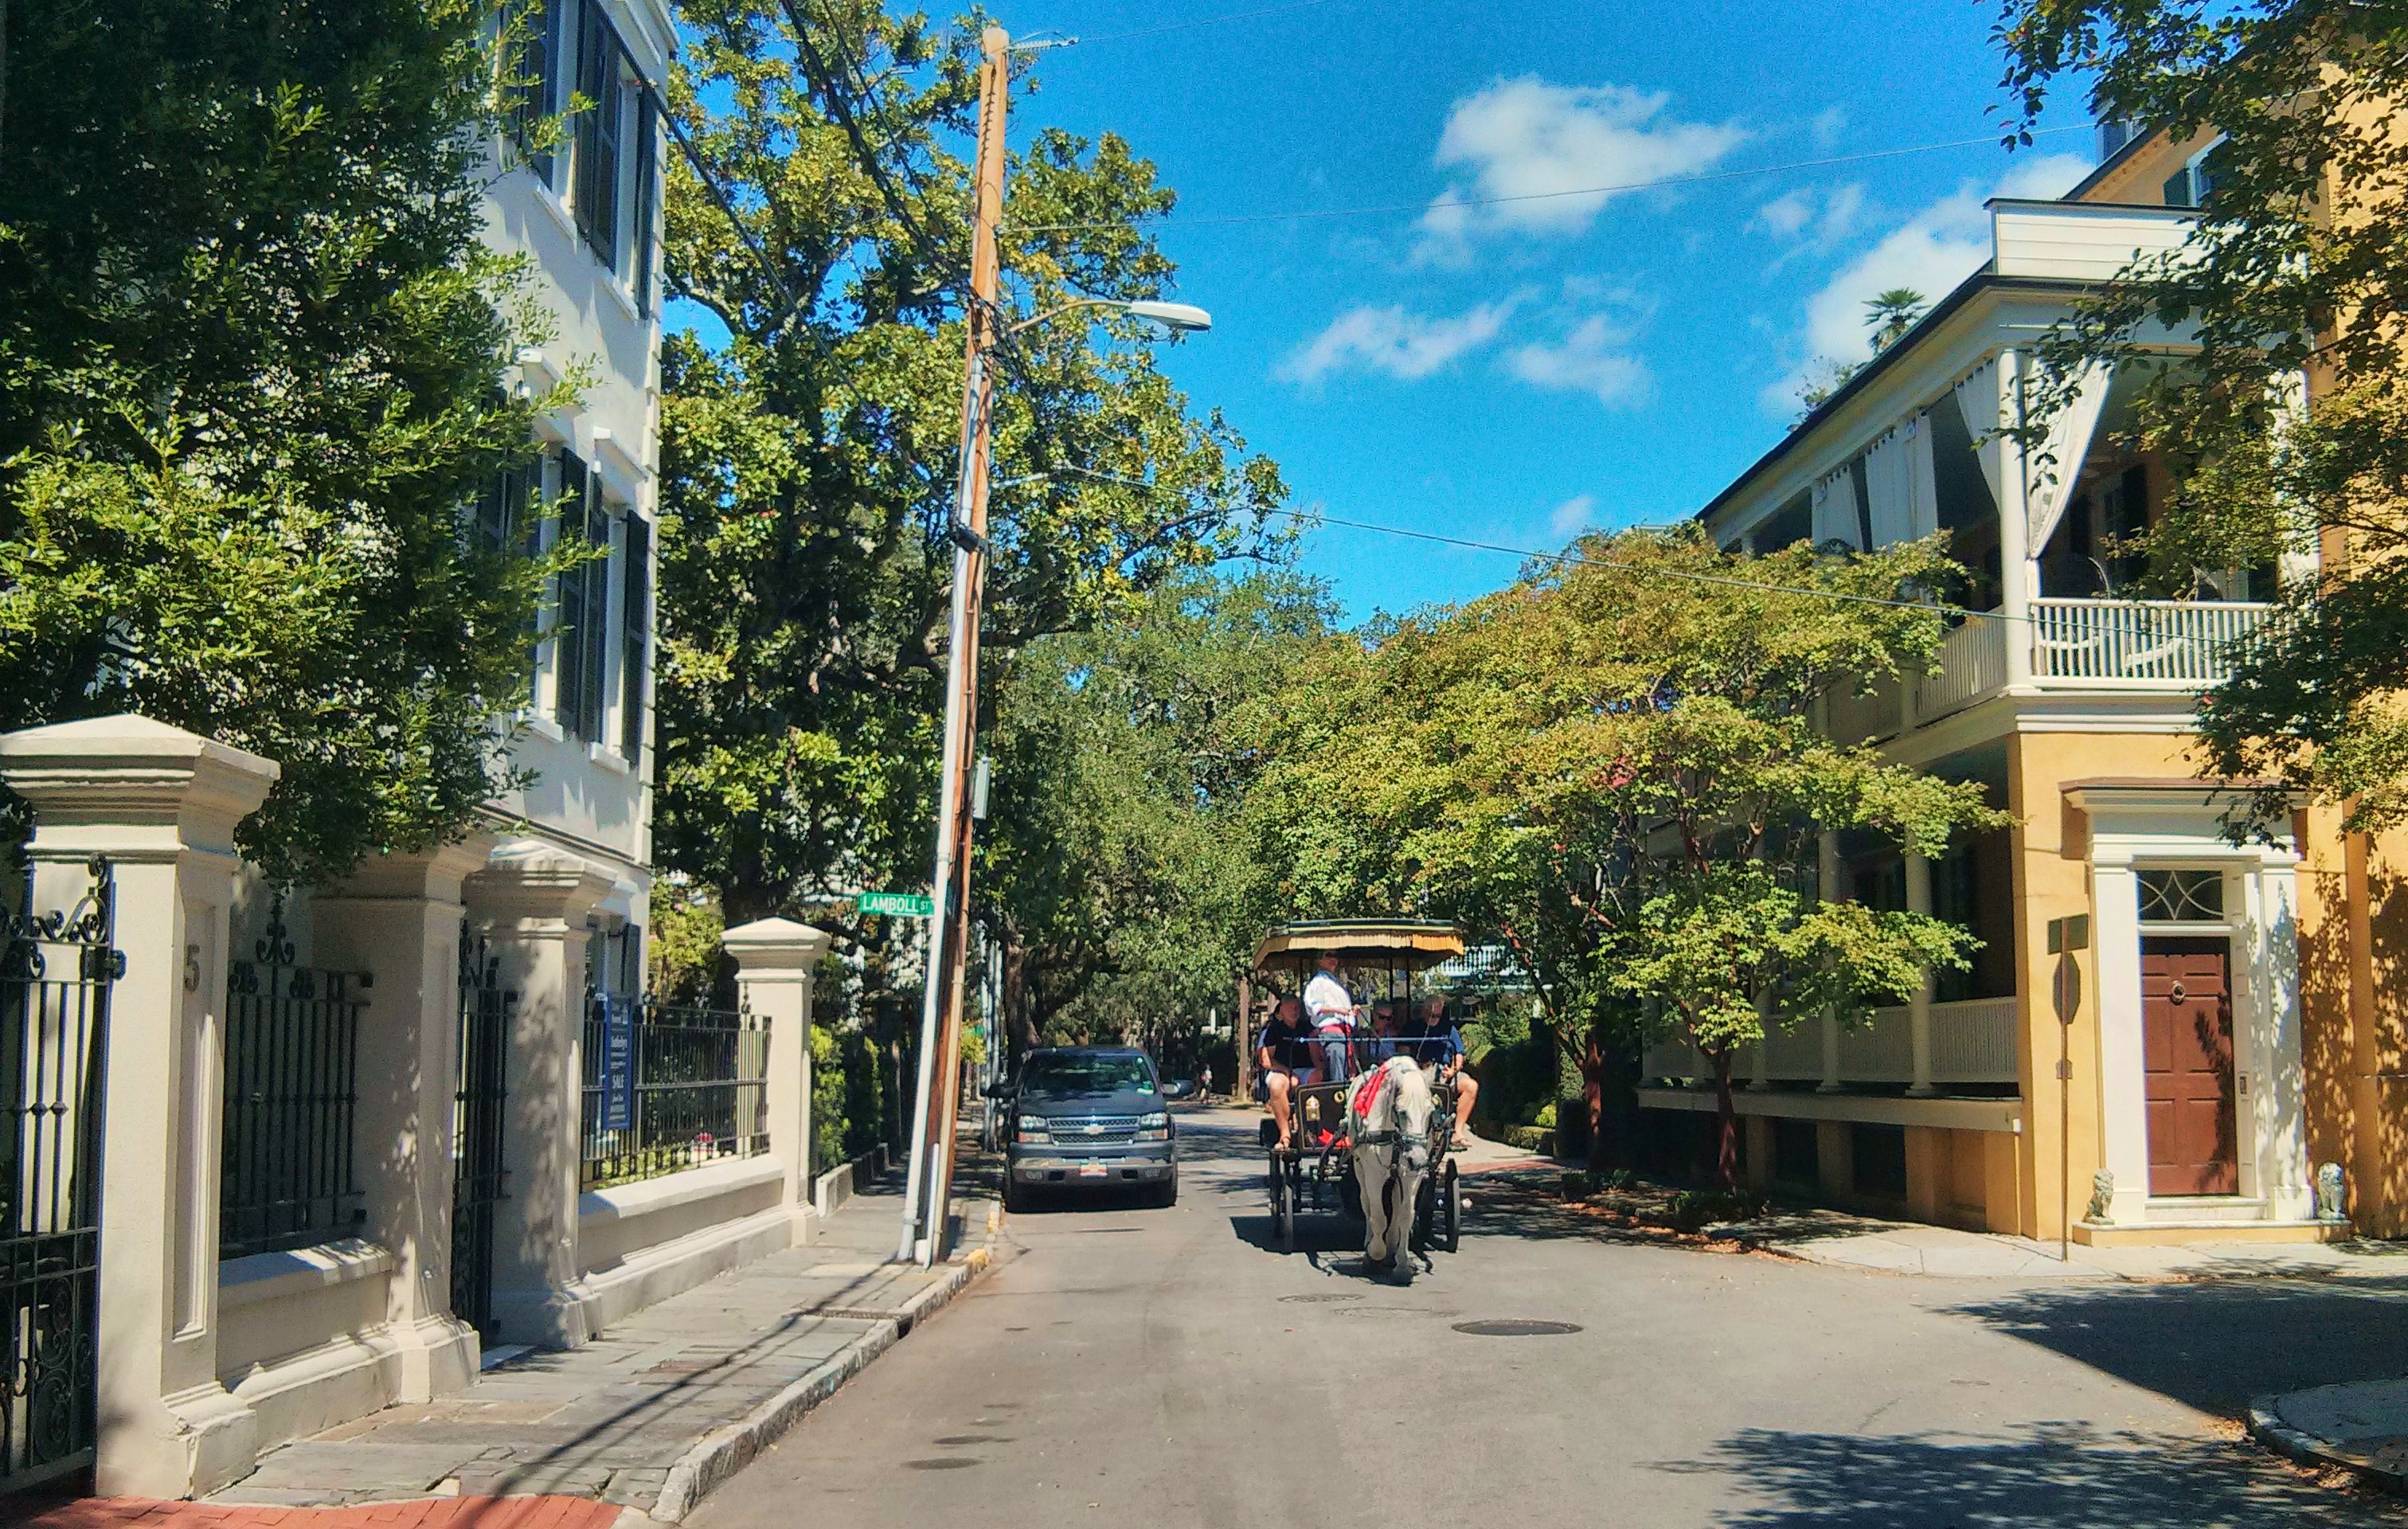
[(1517, 371)]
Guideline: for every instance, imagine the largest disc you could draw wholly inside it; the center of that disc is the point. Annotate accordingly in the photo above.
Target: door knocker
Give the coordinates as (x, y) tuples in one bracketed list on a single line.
[(2178, 995)]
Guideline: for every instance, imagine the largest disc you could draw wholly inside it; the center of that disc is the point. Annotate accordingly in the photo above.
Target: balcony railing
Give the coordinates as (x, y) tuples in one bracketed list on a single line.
[(1972, 1041), (2140, 644), (2137, 645)]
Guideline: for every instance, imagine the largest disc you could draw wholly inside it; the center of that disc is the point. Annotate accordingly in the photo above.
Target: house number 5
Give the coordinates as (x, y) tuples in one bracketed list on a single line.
[(192, 968)]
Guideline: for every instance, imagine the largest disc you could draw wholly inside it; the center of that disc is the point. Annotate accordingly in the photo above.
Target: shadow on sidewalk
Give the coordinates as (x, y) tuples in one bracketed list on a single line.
[(2048, 1474), (2216, 1346)]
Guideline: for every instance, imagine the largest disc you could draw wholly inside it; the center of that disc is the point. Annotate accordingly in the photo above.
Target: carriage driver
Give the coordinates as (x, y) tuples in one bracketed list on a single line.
[(1330, 1009), (1282, 1064)]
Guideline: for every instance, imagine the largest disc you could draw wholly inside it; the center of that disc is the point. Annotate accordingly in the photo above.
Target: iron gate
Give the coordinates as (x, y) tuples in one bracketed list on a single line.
[(55, 975), (486, 1012)]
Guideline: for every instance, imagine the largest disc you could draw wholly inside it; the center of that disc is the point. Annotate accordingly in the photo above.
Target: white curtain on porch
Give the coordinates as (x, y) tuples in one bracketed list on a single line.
[(1835, 509), (1977, 399), (2050, 471), (1903, 497)]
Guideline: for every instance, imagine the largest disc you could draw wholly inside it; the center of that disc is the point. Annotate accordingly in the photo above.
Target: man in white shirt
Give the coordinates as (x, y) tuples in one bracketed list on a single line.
[(1330, 1010)]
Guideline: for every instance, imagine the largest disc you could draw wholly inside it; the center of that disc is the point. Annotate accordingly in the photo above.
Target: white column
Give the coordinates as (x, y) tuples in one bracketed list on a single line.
[(162, 804), (1919, 1005), (2018, 576), (2276, 1104), (774, 958), (398, 919), (530, 902), (2123, 1082)]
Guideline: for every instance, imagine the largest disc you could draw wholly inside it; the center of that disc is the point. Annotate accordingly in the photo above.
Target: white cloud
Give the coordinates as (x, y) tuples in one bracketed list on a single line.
[(1930, 252), (1393, 342), (1829, 124), (1572, 517), (1591, 360), (1814, 217), (1524, 138)]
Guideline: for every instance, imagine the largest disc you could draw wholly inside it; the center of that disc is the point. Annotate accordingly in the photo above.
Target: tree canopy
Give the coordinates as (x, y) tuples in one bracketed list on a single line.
[(1615, 767), (2295, 270), (810, 451), (250, 366)]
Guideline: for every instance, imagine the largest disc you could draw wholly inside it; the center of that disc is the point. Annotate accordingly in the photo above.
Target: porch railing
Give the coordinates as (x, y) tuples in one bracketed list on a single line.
[(2144, 644), (669, 1088), (1972, 1041), (1972, 663)]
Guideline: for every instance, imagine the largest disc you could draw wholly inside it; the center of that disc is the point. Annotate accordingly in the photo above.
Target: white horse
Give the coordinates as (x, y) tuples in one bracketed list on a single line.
[(1388, 1109)]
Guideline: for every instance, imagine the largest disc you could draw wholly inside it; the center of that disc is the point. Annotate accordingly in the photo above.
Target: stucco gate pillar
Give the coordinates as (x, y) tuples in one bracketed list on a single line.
[(162, 804), (774, 958), (399, 918), (531, 902)]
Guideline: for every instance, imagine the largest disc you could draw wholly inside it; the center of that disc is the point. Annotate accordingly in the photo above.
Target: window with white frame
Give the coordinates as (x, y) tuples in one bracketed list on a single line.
[(571, 56), (2180, 896), (581, 628)]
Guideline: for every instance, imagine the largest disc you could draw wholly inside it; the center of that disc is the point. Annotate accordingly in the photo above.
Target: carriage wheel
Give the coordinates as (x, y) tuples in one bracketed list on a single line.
[(1287, 1214), (1450, 1208)]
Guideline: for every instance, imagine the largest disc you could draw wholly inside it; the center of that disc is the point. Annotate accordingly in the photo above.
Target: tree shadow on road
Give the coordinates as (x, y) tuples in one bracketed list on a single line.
[(2216, 1345), (2048, 1474)]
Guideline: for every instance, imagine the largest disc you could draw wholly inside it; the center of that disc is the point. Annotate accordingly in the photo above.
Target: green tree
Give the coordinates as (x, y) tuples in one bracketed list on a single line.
[(809, 458), (1116, 862), (250, 352), (2294, 269), (1889, 315), (1613, 766)]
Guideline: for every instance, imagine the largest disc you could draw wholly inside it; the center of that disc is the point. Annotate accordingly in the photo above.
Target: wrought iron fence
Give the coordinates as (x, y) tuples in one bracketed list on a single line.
[(55, 974), (669, 1088), (292, 1064), (479, 1181)]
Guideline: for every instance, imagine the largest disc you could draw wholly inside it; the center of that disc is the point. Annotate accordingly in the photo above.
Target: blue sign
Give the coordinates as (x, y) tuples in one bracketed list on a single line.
[(618, 1061)]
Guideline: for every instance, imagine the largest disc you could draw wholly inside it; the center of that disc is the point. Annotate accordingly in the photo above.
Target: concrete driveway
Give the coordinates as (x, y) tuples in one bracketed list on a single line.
[(1167, 1367)]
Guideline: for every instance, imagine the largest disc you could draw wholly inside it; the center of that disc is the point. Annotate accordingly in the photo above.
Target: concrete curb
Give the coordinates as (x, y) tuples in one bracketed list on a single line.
[(2266, 1425), (727, 1450)]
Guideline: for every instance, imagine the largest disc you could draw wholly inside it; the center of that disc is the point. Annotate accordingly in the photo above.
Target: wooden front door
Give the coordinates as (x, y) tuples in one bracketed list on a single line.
[(2187, 1057)]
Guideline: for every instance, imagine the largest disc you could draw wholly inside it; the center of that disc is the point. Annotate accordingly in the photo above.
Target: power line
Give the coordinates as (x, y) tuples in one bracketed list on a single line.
[(1391, 209), (1584, 560), (1201, 21)]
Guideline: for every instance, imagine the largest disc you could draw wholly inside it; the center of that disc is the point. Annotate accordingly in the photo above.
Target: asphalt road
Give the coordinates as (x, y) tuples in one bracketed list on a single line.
[(1156, 1369)]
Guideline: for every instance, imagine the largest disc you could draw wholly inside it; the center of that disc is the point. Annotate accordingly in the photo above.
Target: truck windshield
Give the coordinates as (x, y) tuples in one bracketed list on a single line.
[(1063, 1076)]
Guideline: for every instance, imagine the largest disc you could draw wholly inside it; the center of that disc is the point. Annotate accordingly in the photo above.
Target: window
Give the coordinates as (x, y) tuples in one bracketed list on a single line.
[(582, 628), (597, 135), (535, 91), (2182, 896), (506, 506), (1856, 479), (635, 627), (2195, 183)]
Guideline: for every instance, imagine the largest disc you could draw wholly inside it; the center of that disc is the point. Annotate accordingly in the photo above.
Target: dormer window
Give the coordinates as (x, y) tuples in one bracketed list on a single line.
[(2197, 180)]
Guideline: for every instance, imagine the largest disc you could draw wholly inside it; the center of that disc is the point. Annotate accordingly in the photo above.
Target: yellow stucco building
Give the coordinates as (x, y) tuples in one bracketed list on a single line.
[(2236, 1045)]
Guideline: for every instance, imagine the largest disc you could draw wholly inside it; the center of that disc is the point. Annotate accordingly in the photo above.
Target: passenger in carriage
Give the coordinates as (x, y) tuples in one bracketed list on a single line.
[(1431, 1039), (1283, 1064)]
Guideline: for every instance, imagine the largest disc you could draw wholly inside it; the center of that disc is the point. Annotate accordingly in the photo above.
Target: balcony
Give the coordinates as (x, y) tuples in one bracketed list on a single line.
[(1972, 1042), (2173, 647)]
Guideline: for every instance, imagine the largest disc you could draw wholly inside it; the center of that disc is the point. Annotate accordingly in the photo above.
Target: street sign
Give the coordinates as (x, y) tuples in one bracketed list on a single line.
[(2067, 988), (618, 1061), (900, 905)]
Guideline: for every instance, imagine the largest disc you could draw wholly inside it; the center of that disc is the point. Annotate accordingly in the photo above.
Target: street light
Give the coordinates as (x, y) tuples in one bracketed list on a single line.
[(932, 1131)]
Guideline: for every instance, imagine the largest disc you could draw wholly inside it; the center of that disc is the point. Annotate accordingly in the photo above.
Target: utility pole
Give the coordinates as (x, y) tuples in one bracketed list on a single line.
[(929, 1184)]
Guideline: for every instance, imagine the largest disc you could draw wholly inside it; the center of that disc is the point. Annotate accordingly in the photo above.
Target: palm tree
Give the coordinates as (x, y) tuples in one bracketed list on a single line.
[(1892, 313)]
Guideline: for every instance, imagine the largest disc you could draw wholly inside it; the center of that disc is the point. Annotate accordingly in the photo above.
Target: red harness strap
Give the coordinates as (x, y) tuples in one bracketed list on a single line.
[(1369, 1095)]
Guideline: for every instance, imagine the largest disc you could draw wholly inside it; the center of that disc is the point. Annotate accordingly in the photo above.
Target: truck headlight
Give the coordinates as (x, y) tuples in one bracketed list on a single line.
[(1033, 1128), (1153, 1127)]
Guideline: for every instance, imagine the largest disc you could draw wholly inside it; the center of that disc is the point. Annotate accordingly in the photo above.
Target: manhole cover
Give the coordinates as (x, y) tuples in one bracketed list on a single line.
[(1317, 1300), (1516, 1327)]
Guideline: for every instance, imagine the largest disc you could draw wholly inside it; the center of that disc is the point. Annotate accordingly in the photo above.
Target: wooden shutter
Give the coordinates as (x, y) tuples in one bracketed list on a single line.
[(636, 635)]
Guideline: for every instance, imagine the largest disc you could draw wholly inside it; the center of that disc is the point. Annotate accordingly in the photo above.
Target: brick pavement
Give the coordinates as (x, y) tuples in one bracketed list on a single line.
[(425, 1513)]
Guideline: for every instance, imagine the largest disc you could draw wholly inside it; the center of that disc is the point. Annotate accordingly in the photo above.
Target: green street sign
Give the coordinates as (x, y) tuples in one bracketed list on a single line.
[(901, 905)]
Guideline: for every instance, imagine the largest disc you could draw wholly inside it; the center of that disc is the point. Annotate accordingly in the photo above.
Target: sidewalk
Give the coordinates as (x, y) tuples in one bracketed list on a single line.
[(1864, 1242), (651, 1415), (2361, 1427)]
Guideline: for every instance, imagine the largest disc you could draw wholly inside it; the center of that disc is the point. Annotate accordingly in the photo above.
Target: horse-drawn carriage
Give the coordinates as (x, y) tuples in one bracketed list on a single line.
[(1371, 1116)]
